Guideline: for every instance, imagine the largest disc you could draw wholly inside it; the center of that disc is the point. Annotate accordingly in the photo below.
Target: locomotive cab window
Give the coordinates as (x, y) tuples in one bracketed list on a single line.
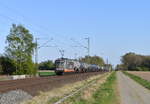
[(59, 64)]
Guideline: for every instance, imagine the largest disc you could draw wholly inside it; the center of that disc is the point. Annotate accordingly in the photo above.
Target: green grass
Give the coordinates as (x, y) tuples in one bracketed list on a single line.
[(3, 79), (46, 73), (105, 94), (139, 80)]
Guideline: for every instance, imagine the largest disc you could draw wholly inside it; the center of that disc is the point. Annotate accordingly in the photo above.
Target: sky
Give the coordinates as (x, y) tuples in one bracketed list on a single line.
[(114, 27)]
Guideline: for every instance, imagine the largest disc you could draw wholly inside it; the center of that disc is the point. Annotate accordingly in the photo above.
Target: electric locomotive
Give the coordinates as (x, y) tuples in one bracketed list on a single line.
[(64, 65)]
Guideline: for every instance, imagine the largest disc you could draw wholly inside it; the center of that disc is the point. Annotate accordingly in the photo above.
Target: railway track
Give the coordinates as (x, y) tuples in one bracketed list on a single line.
[(34, 85)]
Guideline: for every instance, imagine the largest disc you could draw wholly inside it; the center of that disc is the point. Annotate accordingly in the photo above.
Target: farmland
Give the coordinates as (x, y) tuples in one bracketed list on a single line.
[(142, 74)]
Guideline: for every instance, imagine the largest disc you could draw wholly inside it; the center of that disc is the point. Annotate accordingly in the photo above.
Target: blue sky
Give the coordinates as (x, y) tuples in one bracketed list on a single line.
[(115, 27)]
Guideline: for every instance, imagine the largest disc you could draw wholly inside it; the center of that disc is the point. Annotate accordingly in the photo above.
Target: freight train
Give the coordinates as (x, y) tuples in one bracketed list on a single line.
[(64, 65)]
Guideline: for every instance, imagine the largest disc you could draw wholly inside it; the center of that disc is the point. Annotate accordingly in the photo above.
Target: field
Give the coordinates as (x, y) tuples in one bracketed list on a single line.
[(46, 73), (142, 74), (34, 85)]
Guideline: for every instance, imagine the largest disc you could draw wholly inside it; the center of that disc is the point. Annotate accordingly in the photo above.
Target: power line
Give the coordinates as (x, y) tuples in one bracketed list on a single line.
[(38, 47), (26, 18), (11, 19), (38, 26), (86, 47), (22, 15), (43, 45)]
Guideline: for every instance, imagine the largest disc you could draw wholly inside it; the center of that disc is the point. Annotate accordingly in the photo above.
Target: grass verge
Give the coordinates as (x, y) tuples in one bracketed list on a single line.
[(106, 94), (101, 93), (139, 80), (46, 74)]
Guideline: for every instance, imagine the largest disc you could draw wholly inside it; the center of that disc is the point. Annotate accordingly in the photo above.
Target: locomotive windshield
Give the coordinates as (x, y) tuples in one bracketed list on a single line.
[(59, 64)]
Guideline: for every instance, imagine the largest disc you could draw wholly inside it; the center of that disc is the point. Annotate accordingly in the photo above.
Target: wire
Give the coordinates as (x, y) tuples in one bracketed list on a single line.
[(60, 37), (26, 18)]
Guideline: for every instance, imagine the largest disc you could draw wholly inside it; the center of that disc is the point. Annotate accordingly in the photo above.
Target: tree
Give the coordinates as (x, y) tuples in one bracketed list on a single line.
[(46, 65), (121, 67), (132, 61), (20, 49), (93, 60)]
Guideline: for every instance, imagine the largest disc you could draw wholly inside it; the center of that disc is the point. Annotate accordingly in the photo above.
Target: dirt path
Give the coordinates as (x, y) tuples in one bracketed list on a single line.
[(131, 92)]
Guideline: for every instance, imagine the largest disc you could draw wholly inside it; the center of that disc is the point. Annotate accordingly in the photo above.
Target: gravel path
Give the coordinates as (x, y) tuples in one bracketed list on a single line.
[(14, 97), (131, 92)]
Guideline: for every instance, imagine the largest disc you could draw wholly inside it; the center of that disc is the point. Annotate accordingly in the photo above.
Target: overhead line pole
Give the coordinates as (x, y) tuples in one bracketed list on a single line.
[(36, 53), (36, 50), (38, 47), (88, 47)]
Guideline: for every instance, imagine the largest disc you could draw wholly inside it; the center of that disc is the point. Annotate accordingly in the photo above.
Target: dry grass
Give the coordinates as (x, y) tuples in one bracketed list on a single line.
[(52, 96), (87, 94)]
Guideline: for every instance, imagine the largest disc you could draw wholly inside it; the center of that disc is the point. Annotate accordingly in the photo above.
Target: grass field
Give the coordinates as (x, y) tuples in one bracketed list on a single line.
[(139, 80), (46, 73)]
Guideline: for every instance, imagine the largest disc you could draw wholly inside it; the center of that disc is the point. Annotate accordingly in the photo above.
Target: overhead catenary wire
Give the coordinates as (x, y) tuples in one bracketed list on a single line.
[(25, 18), (60, 37), (11, 19), (58, 47), (80, 45)]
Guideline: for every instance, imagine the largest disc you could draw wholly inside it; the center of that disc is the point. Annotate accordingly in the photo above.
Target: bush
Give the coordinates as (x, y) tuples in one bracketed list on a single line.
[(7, 66), (46, 65)]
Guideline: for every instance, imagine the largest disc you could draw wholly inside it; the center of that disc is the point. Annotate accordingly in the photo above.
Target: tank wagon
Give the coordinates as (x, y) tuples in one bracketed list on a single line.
[(64, 65)]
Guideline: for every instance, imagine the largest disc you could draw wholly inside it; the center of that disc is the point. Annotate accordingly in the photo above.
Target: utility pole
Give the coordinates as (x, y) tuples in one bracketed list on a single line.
[(88, 48), (38, 47), (88, 45), (36, 51), (75, 56)]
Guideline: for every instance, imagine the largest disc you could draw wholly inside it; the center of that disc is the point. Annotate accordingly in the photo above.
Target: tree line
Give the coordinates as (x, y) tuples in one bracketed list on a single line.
[(19, 50), (49, 65), (134, 62), (93, 60)]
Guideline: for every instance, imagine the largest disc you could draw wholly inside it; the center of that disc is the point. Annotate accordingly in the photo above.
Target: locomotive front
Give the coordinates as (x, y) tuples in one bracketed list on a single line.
[(59, 65)]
